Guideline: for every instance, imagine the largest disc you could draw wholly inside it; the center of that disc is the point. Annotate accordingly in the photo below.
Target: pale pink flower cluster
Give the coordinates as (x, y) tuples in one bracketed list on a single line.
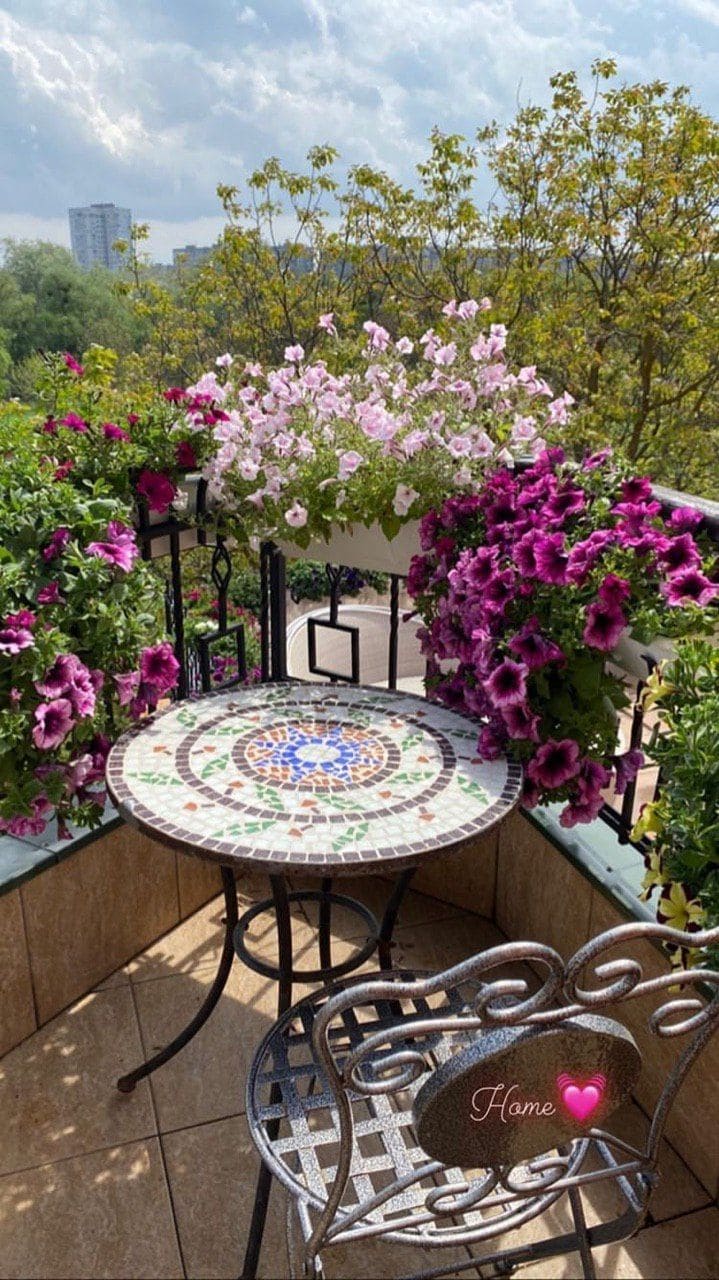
[(284, 435)]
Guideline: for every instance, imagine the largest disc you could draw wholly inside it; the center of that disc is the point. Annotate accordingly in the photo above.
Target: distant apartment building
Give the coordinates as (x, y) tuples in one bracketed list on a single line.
[(94, 228), (191, 256)]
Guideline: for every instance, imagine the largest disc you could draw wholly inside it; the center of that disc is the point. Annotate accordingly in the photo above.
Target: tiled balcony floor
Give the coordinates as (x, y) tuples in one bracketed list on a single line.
[(159, 1183)]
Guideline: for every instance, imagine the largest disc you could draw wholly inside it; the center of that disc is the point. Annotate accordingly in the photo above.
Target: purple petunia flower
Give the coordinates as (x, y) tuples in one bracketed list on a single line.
[(156, 488), (554, 763), (127, 685), (521, 722), (626, 767), (58, 678), (159, 667), (585, 809), (75, 423), (638, 489), (120, 548), (491, 742), (552, 559), (532, 647), (604, 625), (111, 431), (14, 639), (566, 502), (507, 683), (53, 723), (689, 586), (684, 519), (56, 545), (679, 553), (50, 594), (614, 590)]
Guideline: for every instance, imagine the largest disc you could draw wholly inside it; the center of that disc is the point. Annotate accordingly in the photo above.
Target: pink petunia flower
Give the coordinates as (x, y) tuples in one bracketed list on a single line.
[(59, 677), (127, 686), (111, 431), (296, 515), (56, 545), (626, 767), (521, 722), (75, 423), (14, 639), (175, 395), (73, 365), (349, 461), (679, 553), (684, 519), (159, 667), (120, 548), (551, 559), (53, 723), (156, 488), (50, 594), (689, 586), (507, 684), (327, 322)]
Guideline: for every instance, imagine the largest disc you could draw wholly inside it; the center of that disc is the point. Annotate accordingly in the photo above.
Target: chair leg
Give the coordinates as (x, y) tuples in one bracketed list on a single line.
[(580, 1225), (284, 1000)]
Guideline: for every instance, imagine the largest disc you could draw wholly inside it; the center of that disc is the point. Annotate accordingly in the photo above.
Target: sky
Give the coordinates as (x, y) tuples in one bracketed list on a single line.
[(151, 103)]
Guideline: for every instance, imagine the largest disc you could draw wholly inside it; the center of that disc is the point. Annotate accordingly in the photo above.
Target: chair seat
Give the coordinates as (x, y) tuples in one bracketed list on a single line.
[(293, 1119)]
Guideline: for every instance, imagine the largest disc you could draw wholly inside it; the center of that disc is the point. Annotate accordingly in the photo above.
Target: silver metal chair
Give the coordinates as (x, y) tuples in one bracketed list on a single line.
[(451, 1109)]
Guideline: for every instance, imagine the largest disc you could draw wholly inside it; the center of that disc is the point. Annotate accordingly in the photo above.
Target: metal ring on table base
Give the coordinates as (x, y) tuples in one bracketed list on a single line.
[(325, 972)]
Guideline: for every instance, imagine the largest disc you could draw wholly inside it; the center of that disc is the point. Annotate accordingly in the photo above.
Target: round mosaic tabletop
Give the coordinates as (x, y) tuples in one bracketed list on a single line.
[(309, 776)]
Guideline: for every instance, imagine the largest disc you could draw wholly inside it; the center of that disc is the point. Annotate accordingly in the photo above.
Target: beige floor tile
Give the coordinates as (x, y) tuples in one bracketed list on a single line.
[(687, 1247), (212, 1171), (197, 941), (416, 909), (207, 1078), (444, 942), (57, 1089), (95, 1217)]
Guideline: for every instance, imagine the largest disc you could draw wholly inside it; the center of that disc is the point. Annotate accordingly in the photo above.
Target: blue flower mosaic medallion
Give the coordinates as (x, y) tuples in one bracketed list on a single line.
[(310, 775)]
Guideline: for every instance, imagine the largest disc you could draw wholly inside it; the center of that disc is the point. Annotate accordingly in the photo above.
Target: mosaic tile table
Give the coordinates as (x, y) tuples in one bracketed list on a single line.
[(318, 779)]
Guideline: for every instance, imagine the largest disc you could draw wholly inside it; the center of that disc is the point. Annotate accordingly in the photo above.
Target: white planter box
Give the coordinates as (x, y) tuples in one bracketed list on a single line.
[(361, 548), (628, 653)]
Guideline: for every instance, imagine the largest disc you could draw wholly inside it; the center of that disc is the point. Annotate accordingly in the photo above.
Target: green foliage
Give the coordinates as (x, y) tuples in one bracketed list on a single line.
[(307, 580), (49, 303), (683, 862)]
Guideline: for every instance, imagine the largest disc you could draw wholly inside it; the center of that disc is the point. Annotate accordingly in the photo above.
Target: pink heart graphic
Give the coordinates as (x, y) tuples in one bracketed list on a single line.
[(581, 1100)]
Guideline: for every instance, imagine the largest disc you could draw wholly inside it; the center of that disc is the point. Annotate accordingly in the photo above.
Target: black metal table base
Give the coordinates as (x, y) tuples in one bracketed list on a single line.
[(285, 974)]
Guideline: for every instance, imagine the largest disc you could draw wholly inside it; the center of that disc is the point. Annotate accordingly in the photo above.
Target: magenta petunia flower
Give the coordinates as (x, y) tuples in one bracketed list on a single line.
[(81, 692), (604, 625), (24, 618), (49, 426), (59, 677), (127, 686), (56, 545), (521, 722), (73, 365), (491, 742), (132, 419), (50, 594), (175, 395), (585, 809), (14, 639), (524, 555), (532, 647), (684, 519), (551, 558), (679, 553), (185, 455), (566, 502), (638, 489), (159, 667), (75, 423), (111, 431), (689, 586), (53, 723), (626, 767), (156, 488), (507, 683), (61, 472), (554, 763)]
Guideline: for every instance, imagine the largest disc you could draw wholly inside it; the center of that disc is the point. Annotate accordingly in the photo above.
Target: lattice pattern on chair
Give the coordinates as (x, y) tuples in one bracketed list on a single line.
[(332, 1097), (289, 1087)]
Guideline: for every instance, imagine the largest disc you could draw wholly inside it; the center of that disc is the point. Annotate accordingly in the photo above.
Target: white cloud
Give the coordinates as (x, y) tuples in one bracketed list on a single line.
[(708, 10), (152, 105)]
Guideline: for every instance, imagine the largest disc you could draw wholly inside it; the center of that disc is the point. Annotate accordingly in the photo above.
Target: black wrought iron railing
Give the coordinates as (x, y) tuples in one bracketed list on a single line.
[(170, 539)]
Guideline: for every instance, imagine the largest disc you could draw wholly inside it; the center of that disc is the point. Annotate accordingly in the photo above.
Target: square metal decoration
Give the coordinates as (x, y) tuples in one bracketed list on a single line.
[(353, 632)]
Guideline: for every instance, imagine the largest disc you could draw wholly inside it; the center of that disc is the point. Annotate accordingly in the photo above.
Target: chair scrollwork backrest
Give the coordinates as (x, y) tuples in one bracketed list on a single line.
[(546, 1071)]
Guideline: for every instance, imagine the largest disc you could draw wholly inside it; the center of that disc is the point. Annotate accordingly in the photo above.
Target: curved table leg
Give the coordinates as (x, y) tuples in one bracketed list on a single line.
[(127, 1082), (284, 1000), (389, 919)]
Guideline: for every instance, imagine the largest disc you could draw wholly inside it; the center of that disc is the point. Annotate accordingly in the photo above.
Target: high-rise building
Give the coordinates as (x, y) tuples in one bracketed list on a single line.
[(94, 228), (192, 255)]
